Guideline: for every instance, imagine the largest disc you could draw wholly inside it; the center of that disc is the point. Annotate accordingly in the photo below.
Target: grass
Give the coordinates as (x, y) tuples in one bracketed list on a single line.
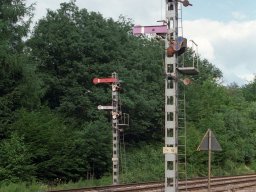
[(23, 187), (39, 187), (107, 180), (137, 165)]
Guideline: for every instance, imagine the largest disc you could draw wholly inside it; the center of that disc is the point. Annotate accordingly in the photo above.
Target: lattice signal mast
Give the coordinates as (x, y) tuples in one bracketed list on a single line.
[(175, 45), (118, 119)]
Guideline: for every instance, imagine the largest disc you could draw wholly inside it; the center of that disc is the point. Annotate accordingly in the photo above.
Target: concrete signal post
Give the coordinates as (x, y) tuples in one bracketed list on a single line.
[(175, 45)]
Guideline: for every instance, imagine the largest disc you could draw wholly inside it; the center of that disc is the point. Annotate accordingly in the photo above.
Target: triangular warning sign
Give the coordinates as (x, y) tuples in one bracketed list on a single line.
[(209, 142)]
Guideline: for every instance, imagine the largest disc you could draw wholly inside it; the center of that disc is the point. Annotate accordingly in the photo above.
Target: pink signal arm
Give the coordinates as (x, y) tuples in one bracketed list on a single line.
[(156, 29)]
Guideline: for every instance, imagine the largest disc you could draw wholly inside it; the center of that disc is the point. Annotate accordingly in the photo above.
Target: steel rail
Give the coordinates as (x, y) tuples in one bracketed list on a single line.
[(217, 183)]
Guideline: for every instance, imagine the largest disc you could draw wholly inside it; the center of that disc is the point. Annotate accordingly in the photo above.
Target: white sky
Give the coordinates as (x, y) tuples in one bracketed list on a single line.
[(223, 29)]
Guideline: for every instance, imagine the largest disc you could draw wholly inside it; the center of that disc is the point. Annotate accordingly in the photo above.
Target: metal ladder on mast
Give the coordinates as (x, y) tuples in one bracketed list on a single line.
[(182, 138), (180, 24), (123, 121), (182, 132)]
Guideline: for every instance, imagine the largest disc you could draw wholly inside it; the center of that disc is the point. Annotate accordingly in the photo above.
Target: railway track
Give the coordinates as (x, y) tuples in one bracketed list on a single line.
[(218, 184)]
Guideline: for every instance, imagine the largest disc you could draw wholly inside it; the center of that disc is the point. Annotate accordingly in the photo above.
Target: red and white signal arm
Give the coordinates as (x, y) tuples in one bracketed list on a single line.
[(105, 80)]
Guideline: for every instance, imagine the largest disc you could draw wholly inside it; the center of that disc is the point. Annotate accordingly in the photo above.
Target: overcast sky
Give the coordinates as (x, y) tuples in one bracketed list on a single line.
[(225, 30)]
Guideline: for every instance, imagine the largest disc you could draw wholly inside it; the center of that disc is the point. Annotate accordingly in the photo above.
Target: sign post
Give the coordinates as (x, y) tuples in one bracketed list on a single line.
[(209, 143)]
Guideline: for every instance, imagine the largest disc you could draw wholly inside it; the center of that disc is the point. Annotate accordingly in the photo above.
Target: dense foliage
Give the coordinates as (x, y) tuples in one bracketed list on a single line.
[(50, 127)]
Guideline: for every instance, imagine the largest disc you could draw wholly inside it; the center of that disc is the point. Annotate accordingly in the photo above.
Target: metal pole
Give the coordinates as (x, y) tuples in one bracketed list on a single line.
[(116, 114), (209, 161), (115, 129)]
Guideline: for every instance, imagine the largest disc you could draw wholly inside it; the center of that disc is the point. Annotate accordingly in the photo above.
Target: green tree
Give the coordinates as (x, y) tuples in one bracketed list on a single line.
[(49, 142), (15, 161), (18, 83), (73, 46), (249, 90), (58, 151)]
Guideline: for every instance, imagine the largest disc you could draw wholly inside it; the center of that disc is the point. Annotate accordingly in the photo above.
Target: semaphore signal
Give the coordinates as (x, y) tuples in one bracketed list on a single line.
[(118, 119), (175, 46)]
